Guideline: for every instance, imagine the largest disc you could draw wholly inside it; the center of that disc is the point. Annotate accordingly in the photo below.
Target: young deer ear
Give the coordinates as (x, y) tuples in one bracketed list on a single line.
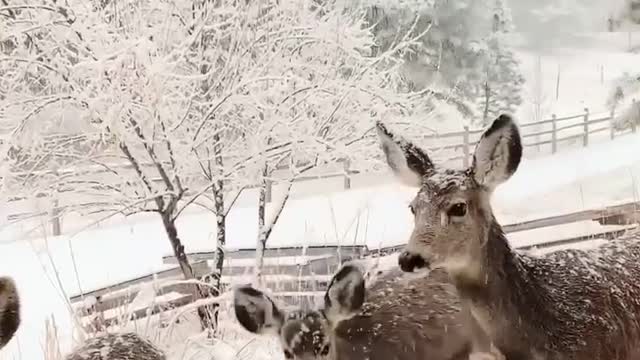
[(9, 310), (409, 163), (498, 153), (256, 311), (345, 295)]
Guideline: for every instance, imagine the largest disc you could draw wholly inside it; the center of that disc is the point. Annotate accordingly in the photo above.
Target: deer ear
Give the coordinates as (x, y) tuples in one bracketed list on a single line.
[(498, 153), (256, 311), (9, 310), (345, 294), (409, 163)]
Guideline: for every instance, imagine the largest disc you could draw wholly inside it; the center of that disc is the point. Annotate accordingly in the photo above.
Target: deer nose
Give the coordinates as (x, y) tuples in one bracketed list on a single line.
[(408, 261)]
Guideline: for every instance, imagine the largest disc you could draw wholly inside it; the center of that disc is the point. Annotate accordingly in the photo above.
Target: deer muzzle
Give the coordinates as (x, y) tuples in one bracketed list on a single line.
[(409, 261)]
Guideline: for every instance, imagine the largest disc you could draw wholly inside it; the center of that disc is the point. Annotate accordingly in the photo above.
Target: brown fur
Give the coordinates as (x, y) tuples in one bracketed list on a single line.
[(9, 310), (400, 320), (569, 304), (124, 346), (418, 320)]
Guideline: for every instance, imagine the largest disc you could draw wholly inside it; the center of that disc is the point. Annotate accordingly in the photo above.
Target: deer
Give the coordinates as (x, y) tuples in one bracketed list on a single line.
[(567, 304), (9, 310), (400, 320), (117, 346)]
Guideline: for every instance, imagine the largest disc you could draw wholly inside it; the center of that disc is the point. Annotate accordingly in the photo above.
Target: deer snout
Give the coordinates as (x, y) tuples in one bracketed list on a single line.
[(409, 261)]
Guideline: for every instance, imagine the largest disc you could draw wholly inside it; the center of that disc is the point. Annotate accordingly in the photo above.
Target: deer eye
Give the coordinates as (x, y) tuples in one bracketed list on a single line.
[(288, 354), (457, 210), (412, 209)]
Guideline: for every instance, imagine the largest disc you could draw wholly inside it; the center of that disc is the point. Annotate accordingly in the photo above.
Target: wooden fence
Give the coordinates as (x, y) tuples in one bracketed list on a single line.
[(458, 146), (303, 282)]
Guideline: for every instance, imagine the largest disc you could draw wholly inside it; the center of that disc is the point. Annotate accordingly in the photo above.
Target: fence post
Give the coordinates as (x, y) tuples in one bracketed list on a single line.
[(635, 115), (465, 147), (554, 134), (612, 130), (56, 222), (585, 128), (347, 174)]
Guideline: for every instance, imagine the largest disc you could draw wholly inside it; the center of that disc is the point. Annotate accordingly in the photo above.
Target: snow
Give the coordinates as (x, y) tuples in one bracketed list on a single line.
[(145, 297), (536, 176), (587, 73)]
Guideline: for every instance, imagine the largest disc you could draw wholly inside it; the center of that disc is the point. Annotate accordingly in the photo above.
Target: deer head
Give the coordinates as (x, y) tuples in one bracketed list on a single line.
[(451, 210), (9, 310), (303, 334)]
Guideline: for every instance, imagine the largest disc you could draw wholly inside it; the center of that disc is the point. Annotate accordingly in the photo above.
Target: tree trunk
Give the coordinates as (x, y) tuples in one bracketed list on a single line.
[(206, 313), (262, 234), (487, 97), (221, 233), (221, 215), (265, 227)]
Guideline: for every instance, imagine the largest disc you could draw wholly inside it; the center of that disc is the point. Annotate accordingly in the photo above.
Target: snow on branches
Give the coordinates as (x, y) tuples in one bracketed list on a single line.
[(137, 104)]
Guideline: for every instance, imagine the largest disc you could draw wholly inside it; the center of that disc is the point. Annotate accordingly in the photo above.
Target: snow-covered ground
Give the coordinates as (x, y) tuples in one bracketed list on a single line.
[(587, 71), (47, 273)]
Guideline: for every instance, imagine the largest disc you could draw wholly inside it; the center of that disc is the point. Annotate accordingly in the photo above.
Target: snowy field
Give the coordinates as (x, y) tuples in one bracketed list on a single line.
[(587, 72), (47, 273)]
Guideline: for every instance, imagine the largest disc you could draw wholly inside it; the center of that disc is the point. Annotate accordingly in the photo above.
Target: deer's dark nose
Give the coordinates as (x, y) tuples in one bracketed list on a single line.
[(408, 261)]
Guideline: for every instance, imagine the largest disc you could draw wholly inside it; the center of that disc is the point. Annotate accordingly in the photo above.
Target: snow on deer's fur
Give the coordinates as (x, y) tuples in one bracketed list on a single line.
[(400, 321), (9, 310), (569, 304), (122, 346)]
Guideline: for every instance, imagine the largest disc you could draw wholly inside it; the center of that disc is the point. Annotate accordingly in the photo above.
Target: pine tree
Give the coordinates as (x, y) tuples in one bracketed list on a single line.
[(500, 90), (450, 55)]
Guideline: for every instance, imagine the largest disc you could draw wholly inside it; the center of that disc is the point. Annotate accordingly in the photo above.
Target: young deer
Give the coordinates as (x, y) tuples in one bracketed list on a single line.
[(123, 346), (569, 304), (9, 310), (398, 322)]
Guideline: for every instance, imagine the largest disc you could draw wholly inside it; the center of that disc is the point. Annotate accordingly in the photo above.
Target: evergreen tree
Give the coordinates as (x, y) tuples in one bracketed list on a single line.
[(450, 56), (501, 88)]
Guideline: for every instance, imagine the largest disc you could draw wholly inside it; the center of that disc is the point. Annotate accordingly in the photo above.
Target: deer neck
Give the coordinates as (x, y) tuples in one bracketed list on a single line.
[(500, 282)]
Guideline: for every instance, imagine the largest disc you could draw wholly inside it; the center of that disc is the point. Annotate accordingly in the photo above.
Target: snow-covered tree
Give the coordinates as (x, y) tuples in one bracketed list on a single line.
[(501, 88), (143, 106), (449, 57)]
